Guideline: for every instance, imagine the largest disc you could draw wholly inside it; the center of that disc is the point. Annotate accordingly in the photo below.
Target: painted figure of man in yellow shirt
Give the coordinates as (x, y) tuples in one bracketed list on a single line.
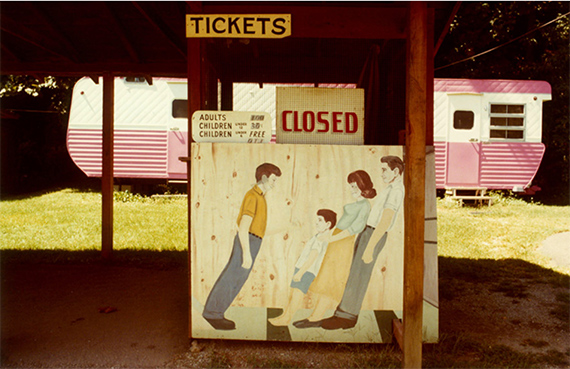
[(252, 221)]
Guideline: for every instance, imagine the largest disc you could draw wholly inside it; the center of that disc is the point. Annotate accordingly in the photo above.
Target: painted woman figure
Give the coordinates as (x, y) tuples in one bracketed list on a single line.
[(329, 284)]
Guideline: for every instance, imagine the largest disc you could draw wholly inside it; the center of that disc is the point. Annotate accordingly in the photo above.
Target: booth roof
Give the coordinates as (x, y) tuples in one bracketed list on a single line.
[(330, 40)]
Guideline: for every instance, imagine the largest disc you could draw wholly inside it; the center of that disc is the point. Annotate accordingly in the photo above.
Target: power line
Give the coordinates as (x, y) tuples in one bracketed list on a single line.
[(506, 43)]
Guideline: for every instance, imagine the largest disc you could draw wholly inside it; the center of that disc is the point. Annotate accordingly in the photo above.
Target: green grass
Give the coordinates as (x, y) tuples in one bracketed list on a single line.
[(503, 239), (70, 220), (509, 229)]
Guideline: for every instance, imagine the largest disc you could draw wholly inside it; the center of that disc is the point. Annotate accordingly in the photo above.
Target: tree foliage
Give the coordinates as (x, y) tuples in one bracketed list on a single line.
[(520, 47), (33, 132)]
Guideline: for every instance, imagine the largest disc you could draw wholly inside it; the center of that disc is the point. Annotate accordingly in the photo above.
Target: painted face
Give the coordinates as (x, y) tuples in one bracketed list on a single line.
[(322, 225), (355, 191), (269, 182), (388, 175)]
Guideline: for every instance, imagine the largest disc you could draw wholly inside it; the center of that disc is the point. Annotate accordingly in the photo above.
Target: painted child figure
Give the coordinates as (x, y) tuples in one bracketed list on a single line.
[(308, 265)]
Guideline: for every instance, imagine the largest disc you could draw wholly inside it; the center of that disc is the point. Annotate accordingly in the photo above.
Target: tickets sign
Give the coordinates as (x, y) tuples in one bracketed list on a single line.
[(307, 115), (238, 25), (231, 126)]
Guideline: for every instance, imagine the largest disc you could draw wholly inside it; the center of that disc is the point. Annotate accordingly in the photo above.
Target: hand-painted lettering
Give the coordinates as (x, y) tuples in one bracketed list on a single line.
[(323, 121), (248, 25), (263, 21), (279, 29), (232, 22), (214, 25), (284, 120), (348, 117), (308, 121), (196, 21), (335, 121)]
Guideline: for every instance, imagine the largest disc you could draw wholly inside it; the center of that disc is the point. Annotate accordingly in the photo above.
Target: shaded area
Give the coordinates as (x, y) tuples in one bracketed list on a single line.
[(63, 309), (71, 309)]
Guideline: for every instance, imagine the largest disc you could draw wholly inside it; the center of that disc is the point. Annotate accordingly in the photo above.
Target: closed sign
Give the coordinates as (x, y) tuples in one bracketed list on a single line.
[(320, 115)]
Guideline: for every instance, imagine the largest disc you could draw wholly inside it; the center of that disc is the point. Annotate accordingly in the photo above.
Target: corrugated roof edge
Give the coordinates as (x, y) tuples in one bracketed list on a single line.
[(491, 85)]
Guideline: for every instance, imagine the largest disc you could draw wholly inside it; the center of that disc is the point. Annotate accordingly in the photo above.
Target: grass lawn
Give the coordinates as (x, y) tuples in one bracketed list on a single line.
[(493, 247), (509, 229), (71, 221)]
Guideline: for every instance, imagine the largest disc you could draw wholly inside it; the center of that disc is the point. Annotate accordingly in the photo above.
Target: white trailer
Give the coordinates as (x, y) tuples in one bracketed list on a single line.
[(487, 133)]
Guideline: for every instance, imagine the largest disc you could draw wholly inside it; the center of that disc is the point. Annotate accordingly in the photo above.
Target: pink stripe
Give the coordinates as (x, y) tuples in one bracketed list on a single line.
[(502, 165), (140, 154), (500, 86)]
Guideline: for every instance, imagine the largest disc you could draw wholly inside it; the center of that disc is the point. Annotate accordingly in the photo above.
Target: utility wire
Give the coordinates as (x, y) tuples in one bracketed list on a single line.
[(506, 43)]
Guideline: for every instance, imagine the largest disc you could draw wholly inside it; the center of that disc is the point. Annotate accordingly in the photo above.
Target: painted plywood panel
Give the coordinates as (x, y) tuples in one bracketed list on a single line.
[(312, 177)]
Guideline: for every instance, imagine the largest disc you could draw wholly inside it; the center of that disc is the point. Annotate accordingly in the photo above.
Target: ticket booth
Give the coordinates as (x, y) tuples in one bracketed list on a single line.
[(387, 51)]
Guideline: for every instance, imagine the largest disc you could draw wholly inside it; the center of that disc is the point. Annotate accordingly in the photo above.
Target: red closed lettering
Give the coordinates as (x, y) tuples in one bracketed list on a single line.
[(347, 120), (284, 120), (335, 121), (309, 120), (322, 120)]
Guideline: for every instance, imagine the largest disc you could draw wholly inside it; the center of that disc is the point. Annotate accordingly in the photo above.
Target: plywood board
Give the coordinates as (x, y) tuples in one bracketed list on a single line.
[(312, 177)]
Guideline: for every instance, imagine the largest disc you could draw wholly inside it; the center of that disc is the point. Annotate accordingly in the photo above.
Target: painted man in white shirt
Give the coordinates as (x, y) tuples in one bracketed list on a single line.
[(369, 245)]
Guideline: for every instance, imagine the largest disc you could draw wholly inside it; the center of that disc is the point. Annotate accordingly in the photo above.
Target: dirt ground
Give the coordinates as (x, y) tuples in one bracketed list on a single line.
[(77, 311)]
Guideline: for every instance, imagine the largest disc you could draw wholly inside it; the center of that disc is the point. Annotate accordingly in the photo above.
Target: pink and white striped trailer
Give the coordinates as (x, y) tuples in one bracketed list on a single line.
[(487, 133), (151, 128)]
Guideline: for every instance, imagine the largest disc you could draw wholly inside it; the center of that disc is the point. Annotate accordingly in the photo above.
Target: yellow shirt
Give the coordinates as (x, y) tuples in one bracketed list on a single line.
[(255, 206)]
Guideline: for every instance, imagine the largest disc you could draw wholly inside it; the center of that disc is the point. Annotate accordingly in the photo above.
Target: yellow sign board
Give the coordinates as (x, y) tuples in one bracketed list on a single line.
[(238, 25)]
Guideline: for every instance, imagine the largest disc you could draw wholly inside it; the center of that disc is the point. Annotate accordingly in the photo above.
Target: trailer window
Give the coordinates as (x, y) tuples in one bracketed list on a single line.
[(463, 119), (180, 108), (507, 121)]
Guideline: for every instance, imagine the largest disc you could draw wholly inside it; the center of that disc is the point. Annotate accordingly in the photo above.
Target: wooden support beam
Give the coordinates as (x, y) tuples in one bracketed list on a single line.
[(120, 31), (32, 37), (414, 204), (430, 77), (365, 22), (398, 329), (195, 97), (107, 175), (445, 30), (164, 69), (159, 24), (7, 50), (62, 37)]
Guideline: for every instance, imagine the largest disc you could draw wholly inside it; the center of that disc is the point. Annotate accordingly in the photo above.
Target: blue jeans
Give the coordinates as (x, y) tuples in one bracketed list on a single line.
[(231, 280), (359, 277)]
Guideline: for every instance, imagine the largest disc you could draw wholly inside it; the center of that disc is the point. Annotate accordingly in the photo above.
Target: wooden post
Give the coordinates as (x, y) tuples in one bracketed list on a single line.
[(195, 98), (414, 205), (107, 170)]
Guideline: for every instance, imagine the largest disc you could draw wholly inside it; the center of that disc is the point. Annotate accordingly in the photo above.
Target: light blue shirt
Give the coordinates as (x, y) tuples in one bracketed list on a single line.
[(354, 216)]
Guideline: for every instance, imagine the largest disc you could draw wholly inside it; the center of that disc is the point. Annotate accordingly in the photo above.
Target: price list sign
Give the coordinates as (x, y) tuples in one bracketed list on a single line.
[(231, 126)]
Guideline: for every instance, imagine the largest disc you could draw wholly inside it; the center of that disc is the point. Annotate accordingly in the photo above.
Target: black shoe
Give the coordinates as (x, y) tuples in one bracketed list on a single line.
[(222, 324), (335, 322), (306, 323)]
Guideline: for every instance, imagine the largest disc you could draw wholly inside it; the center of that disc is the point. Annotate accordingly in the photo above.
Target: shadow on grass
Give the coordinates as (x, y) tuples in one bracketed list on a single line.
[(135, 258), (511, 278)]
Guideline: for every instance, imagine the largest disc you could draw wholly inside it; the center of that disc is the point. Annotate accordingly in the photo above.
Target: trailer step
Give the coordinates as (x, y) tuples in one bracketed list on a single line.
[(477, 194)]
